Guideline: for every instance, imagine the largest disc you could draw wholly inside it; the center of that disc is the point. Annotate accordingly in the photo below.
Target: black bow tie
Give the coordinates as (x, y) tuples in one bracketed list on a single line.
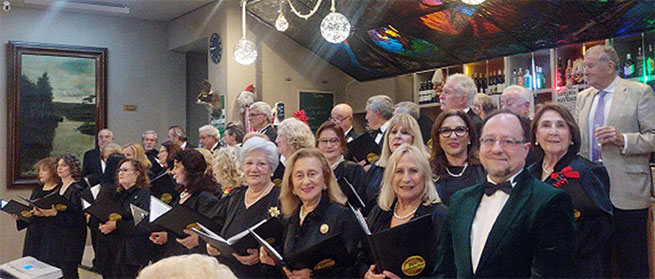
[(490, 188)]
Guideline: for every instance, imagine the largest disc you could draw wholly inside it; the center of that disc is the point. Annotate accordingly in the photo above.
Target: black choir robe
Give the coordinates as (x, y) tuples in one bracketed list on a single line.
[(355, 174), (447, 185), (238, 219)]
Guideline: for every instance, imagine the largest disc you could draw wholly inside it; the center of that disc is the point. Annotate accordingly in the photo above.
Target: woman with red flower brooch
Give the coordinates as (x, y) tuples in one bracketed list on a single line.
[(556, 139)]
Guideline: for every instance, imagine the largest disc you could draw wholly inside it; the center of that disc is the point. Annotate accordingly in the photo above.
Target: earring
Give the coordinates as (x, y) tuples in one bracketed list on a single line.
[(468, 143), (536, 143), (571, 143)]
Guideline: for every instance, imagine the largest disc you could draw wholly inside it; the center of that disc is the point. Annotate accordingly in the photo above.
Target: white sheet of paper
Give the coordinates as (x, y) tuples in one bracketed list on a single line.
[(157, 208), (95, 190)]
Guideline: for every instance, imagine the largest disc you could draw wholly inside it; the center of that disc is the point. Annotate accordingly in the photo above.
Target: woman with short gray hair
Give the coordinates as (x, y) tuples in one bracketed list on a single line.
[(246, 206)]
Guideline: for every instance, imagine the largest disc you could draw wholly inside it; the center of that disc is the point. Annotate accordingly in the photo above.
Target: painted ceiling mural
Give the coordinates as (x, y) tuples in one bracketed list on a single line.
[(392, 37)]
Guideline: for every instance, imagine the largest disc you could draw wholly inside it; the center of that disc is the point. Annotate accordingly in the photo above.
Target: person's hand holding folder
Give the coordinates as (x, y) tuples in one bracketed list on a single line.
[(52, 212), (251, 259), (190, 241), (304, 273), (107, 227), (371, 274), (159, 238)]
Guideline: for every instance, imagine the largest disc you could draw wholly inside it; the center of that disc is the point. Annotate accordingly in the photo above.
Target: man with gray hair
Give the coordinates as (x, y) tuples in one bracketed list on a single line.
[(615, 117), (483, 105), (458, 93), (209, 138), (424, 122), (149, 141), (177, 135), (260, 120), (516, 99), (379, 109), (92, 165)]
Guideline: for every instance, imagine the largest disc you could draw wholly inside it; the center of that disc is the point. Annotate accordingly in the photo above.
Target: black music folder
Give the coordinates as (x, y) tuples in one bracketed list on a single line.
[(399, 250), (178, 218), (46, 202), (351, 193), (323, 255), (270, 229), (106, 210), (163, 188), (364, 148), (13, 207)]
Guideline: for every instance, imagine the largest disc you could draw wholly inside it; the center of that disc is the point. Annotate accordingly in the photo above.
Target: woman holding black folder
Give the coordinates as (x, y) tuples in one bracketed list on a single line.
[(403, 128), (196, 189), (454, 160), (37, 241), (249, 205), (129, 247), (64, 228), (331, 141), (407, 193), (313, 204)]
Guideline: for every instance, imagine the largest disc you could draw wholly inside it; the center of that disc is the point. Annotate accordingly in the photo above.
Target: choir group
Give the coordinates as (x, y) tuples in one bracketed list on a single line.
[(478, 192)]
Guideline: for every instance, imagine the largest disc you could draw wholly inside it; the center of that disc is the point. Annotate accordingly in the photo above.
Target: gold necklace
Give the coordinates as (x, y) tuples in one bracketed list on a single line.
[(259, 197)]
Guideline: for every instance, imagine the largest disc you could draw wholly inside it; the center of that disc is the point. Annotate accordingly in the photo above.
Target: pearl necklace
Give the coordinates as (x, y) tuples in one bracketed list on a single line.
[(459, 174), (543, 167), (259, 197), (403, 217)]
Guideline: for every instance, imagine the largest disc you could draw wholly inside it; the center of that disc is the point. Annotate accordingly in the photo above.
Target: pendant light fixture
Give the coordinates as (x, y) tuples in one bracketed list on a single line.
[(245, 51), (335, 27)]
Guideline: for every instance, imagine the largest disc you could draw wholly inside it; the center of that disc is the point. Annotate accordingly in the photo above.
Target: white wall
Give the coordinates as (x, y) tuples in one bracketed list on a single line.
[(141, 71)]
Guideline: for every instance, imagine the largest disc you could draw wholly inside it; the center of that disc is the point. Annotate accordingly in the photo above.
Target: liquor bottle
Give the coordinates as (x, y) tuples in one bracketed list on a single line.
[(628, 66), (513, 79), (502, 81), (542, 78), (639, 65), (491, 87), (519, 78), (560, 75), (485, 79), (650, 61), (527, 79)]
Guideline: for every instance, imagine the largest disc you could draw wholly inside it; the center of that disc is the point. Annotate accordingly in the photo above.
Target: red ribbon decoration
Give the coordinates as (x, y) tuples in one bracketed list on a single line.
[(561, 177)]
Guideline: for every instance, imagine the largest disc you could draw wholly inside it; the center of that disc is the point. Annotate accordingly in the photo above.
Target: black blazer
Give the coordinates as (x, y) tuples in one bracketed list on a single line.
[(131, 243), (374, 178), (425, 123), (91, 166), (270, 131)]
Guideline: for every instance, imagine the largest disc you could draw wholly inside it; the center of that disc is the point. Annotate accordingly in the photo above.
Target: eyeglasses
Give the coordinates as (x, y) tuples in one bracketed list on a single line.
[(333, 141), (459, 131), (124, 170), (504, 143)]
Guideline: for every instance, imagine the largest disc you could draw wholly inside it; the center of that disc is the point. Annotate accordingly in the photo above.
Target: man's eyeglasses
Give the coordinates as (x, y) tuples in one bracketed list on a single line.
[(459, 131), (504, 143), (333, 141)]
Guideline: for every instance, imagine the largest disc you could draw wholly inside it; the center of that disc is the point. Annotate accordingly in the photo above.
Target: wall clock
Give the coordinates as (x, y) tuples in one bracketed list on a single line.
[(215, 48)]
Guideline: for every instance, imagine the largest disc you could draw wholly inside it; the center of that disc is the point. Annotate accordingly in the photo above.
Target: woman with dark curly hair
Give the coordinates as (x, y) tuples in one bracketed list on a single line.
[(196, 188), (62, 230)]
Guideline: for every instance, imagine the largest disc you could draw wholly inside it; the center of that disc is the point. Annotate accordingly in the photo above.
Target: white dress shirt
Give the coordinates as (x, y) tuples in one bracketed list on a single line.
[(383, 128), (485, 217), (592, 111)]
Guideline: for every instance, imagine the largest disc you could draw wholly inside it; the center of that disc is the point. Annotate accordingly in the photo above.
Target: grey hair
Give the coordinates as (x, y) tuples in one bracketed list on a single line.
[(143, 135), (110, 132), (464, 85), (487, 102), (210, 131), (381, 103), (178, 131), (258, 143), (298, 134), (261, 107), (525, 94), (606, 53), (410, 108)]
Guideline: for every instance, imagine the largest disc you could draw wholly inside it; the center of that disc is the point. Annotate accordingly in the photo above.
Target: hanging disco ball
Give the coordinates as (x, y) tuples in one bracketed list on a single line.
[(245, 52), (335, 28)]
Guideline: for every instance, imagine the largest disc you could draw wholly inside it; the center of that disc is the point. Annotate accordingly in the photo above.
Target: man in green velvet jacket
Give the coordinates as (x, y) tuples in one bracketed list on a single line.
[(513, 225)]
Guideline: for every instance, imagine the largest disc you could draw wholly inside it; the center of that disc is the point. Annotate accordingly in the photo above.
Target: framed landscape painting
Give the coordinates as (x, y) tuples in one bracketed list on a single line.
[(56, 103)]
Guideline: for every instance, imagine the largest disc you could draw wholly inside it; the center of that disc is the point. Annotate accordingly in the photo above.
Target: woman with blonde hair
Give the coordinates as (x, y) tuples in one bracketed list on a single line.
[(136, 152), (292, 134), (313, 205), (403, 129), (407, 193), (227, 170)]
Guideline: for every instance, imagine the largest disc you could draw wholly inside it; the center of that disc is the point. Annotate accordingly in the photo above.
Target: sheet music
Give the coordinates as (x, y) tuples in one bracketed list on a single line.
[(138, 214), (157, 208), (85, 204), (3, 203), (95, 190), (360, 220)]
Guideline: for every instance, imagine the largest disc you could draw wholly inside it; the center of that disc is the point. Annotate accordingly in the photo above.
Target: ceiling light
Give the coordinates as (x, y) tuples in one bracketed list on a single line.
[(281, 24), (335, 27), (473, 2), (245, 51)]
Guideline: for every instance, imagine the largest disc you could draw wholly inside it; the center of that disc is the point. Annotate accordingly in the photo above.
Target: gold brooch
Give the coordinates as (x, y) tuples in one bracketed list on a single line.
[(324, 228), (273, 211)]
